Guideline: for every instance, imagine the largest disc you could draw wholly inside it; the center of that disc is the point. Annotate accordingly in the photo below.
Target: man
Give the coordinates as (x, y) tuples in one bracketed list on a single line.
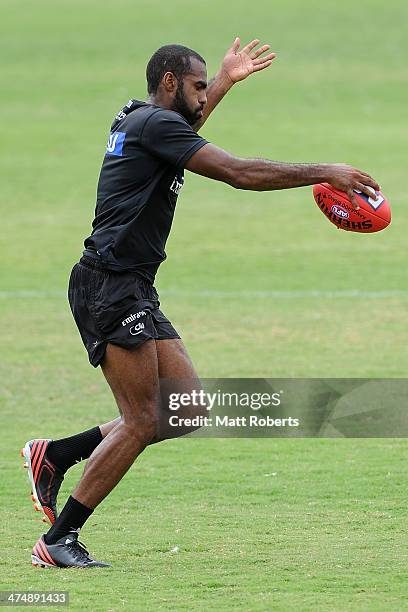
[(111, 292)]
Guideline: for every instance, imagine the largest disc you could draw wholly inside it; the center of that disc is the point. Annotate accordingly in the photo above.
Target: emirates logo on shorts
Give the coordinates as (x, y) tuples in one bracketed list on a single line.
[(133, 317)]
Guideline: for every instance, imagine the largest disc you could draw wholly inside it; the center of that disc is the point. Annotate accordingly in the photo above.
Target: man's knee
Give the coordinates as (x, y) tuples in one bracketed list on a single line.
[(142, 422)]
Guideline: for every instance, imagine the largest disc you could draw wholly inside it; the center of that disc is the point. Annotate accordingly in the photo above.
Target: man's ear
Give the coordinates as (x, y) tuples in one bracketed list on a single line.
[(169, 82)]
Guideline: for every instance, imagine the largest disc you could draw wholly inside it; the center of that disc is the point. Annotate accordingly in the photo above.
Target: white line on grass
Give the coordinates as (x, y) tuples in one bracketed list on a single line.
[(245, 294)]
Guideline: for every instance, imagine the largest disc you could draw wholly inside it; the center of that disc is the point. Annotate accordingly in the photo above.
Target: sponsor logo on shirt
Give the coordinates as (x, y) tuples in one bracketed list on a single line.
[(121, 114), (115, 143), (177, 184)]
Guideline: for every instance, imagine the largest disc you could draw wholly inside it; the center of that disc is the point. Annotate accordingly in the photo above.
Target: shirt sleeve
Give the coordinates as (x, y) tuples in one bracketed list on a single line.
[(168, 136)]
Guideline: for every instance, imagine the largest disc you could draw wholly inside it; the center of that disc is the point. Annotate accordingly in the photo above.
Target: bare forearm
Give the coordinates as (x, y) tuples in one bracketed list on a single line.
[(265, 175)]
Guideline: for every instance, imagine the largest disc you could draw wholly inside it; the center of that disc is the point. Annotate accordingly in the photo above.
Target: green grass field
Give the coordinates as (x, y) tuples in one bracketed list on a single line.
[(259, 285)]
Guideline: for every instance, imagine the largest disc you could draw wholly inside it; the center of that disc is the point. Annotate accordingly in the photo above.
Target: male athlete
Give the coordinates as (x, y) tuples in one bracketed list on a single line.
[(111, 292)]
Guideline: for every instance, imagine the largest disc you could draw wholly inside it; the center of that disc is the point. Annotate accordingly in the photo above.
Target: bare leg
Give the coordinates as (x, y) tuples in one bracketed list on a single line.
[(176, 366), (133, 378)]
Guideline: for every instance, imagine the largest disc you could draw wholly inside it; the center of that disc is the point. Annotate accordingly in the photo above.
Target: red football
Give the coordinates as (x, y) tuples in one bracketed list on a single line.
[(374, 214)]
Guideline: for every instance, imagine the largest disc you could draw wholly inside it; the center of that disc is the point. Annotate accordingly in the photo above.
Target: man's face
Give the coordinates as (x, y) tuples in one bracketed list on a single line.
[(191, 93)]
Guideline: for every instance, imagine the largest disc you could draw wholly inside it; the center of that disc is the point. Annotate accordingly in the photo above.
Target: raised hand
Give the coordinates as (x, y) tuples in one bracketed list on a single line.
[(238, 65)]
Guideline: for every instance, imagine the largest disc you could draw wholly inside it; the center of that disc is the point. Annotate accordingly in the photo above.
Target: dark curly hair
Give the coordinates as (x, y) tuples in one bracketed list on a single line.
[(170, 58)]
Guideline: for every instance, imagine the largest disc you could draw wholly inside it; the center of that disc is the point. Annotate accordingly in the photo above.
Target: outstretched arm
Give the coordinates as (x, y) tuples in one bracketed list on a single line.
[(236, 66), (267, 175)]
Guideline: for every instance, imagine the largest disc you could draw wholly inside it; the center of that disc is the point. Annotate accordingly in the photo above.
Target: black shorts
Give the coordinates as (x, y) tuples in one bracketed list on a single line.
[(117, 307)]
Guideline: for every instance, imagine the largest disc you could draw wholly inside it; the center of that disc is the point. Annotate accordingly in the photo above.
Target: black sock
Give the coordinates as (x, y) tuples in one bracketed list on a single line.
[(68, 451), (73, 517)]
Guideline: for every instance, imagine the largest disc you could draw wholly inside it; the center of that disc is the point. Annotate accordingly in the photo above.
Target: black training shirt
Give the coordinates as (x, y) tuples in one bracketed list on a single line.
[(140, 179)]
